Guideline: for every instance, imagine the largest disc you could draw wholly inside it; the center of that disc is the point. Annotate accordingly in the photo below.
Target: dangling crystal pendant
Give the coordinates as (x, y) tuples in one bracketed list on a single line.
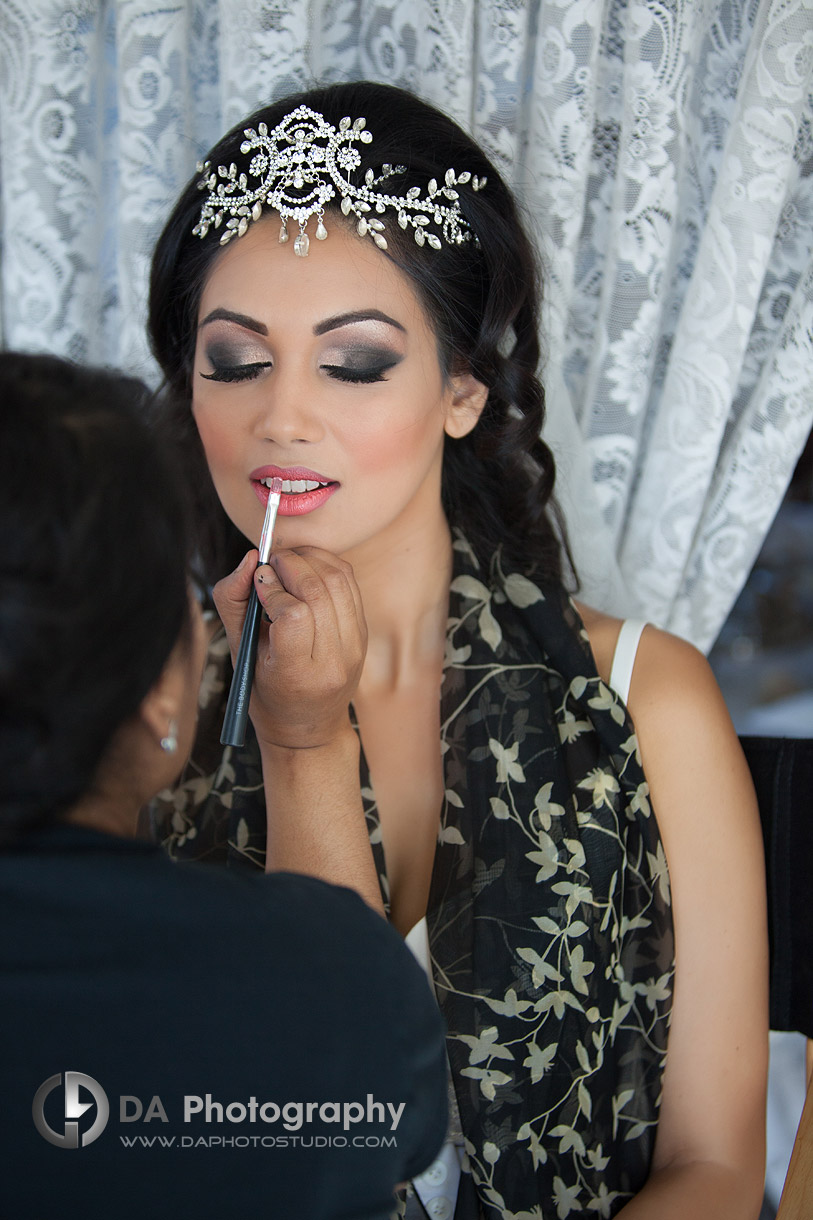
[(321, 231), (301, 244), (283, 233)]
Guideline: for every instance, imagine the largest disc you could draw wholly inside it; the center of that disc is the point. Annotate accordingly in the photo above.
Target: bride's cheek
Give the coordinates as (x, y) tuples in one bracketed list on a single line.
[(390, 442), (214, 437)]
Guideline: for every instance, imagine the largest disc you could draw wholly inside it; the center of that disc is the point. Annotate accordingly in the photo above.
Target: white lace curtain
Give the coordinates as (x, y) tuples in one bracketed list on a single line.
[(664, 151)]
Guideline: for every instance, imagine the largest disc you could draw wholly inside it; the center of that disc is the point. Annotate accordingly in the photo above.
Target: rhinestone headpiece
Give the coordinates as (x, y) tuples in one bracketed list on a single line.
[(304, 163)]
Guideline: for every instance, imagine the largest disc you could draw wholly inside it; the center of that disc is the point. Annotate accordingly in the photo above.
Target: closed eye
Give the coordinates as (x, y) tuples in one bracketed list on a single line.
[(237, 372), (359, 376)]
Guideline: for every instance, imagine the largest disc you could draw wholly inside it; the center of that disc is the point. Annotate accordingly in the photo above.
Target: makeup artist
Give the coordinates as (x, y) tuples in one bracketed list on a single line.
[(549, 804), (163, 983)]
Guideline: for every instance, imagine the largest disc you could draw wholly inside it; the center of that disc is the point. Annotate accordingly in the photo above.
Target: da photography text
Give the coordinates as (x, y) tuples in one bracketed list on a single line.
[(63, 1100), (292, 1115)]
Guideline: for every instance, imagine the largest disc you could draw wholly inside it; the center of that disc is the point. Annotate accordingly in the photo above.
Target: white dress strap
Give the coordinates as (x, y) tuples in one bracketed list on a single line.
[(624, 656)]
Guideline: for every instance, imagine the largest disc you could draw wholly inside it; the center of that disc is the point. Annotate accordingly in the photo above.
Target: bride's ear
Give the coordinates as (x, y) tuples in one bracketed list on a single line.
[(465, 399)]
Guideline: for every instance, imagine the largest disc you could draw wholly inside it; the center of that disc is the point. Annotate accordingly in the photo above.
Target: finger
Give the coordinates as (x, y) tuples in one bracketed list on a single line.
[(302, 580), (340, 581), (316, 553), (320, 589), (231, 595), (291, 618), (341, 585)]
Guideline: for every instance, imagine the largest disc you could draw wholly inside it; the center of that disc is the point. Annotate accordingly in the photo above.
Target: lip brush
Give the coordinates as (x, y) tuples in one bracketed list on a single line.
[(234, 722)]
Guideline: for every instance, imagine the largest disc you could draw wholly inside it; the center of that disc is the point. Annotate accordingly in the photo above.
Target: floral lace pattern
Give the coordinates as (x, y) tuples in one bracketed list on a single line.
[(549, 912), (665, 155)]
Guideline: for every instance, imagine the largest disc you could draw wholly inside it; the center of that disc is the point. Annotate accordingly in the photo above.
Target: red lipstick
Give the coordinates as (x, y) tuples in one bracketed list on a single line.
[(299, 494)]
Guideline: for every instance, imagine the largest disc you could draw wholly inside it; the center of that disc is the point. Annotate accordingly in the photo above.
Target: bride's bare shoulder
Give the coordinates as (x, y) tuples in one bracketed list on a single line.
[(667, 668)]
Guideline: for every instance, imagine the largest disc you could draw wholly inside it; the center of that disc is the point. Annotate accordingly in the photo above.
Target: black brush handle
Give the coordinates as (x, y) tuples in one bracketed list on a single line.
[(234, 722)]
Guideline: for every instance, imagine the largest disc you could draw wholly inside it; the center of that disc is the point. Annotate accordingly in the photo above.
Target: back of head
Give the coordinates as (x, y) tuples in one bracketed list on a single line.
[(93, 576), (481, 297)]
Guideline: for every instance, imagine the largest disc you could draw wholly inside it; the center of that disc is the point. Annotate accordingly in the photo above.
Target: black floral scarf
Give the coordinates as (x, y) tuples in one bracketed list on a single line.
[(549, 913)]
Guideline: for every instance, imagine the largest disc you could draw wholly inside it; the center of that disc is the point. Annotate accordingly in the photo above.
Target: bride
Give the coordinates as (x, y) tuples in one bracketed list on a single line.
[(551, 805)]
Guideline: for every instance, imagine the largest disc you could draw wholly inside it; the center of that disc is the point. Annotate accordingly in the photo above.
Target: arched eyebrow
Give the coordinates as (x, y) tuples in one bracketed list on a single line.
[(359, 315), (321, 328), (242, 319)]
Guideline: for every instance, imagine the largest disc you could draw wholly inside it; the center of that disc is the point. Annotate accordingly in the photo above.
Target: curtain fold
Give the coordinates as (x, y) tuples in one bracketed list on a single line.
[(663, 150)]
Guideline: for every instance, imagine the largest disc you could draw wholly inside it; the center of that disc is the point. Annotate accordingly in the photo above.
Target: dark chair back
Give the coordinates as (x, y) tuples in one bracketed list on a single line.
[(782, 770)]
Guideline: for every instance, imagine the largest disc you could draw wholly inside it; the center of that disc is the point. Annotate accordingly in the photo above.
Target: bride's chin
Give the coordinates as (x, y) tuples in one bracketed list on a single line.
[(337, 543)]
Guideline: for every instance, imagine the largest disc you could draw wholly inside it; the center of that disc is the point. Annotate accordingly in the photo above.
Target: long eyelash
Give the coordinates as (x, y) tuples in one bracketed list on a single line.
[(357, 376), (237, 372)]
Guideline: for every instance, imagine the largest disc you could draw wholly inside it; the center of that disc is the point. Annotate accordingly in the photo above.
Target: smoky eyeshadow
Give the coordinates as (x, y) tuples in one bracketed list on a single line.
[(222, 354), (362, 359)]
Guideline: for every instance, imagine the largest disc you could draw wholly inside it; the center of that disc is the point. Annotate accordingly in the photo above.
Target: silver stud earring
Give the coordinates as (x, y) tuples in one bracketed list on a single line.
[(169, 744)]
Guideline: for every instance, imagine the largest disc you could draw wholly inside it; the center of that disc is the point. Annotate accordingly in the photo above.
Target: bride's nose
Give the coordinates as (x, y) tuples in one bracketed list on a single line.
[(287, 412)]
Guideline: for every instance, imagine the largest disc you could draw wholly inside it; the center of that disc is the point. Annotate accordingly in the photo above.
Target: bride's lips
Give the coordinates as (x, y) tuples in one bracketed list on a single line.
[(293, 504)]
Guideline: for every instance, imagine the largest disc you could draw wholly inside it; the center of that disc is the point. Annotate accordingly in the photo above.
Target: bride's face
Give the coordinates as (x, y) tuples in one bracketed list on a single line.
[(324, 371)]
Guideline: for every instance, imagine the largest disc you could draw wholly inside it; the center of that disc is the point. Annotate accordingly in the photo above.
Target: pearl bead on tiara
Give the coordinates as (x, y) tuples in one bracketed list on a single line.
[(304, 163)]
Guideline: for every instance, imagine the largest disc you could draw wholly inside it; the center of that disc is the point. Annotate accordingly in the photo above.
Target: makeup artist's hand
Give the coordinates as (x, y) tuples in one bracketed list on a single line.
[(311, 653)]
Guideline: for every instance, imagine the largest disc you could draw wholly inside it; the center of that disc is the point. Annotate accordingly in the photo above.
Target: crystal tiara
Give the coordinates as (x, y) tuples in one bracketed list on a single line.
[(303, 164)]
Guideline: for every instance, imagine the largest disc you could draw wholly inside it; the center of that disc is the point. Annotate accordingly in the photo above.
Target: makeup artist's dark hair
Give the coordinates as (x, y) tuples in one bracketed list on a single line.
[(93, 575), (483, 302)]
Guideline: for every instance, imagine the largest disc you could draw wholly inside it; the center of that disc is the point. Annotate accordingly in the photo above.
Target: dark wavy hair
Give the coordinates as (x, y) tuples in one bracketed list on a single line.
[(482, 300), (94, 556)]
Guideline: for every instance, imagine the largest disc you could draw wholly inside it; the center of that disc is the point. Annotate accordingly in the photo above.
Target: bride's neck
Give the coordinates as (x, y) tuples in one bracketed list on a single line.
[(404, 585)]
